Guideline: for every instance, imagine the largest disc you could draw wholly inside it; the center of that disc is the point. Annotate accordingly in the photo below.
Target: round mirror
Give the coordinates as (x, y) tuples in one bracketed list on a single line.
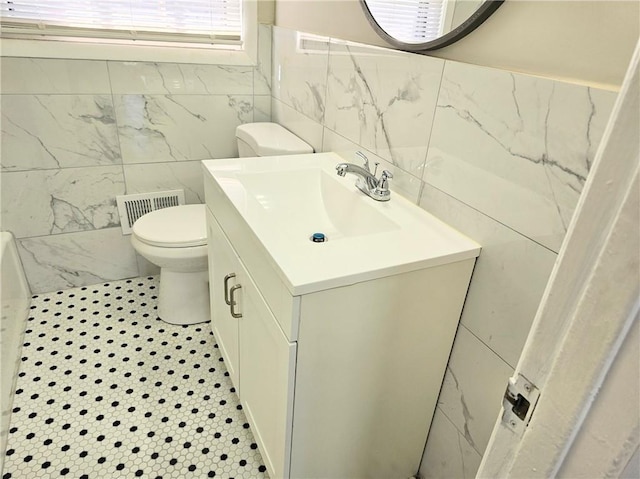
[(421, 25)]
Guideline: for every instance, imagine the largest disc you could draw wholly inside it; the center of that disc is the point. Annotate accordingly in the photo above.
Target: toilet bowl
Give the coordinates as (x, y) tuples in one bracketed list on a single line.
[(175, 238)]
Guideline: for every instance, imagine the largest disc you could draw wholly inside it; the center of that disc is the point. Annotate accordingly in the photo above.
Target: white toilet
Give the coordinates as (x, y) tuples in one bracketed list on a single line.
[(175, 238)]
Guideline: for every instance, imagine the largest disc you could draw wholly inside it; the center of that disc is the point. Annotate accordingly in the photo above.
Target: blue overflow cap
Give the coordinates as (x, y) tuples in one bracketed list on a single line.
[(318, 238)]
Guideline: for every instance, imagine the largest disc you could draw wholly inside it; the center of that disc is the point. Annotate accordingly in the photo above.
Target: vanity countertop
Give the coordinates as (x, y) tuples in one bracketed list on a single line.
[(284, 200)]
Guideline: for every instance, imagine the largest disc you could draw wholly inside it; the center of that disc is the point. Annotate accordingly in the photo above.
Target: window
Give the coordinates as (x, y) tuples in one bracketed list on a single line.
[(177, 31), (410, 21), (176, 21)]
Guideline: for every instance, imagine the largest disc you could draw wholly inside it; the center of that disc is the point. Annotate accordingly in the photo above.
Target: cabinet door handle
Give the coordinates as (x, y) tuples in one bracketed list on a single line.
[(233, 301), (226, 287)]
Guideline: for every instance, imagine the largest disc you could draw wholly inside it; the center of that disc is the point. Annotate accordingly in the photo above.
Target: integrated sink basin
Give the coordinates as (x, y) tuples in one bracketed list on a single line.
[(308, 200), (271, 206)]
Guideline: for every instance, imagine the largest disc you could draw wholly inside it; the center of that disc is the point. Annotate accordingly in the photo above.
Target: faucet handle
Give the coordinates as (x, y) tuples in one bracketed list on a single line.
[(381, 191), (383, 184), (366, 160)]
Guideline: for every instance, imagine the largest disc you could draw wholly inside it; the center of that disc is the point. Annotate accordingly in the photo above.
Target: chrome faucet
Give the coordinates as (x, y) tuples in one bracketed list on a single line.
[(378, 189)]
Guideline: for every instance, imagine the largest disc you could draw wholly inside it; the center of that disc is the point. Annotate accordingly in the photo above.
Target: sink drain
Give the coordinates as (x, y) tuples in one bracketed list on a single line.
[(318, 238)]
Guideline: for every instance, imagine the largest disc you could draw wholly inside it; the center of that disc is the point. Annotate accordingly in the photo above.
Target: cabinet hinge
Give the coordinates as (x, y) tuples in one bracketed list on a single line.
[(520, 399)]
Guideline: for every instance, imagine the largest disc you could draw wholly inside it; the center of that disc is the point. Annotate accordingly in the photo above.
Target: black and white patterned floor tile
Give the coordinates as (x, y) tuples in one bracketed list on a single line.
[(107, 390)]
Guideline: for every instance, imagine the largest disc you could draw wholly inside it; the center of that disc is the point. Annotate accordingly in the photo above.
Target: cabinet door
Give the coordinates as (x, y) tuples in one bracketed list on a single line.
[(223, 263), (267, 379)]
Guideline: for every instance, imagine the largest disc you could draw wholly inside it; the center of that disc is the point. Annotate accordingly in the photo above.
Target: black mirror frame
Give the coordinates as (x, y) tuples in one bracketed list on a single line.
[(466, 27)]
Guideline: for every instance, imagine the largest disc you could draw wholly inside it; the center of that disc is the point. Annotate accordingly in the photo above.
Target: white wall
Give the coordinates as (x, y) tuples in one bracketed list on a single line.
[(582, 41)]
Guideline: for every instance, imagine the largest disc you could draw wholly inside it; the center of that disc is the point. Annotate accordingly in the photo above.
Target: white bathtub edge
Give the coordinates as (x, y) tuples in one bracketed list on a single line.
[(15, 299)]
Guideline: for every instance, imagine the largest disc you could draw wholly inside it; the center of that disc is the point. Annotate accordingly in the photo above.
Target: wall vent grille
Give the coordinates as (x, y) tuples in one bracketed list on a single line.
[(132, 207)]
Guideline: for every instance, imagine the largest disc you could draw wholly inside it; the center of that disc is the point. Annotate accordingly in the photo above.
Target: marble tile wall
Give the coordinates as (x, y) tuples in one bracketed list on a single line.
[(77, 133), (500, 156)]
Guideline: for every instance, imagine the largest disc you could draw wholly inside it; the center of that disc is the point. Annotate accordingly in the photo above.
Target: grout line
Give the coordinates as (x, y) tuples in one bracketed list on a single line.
[(490, 217)]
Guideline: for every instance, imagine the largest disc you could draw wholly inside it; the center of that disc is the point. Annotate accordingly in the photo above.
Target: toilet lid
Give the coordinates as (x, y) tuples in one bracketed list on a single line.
[(174, 227)]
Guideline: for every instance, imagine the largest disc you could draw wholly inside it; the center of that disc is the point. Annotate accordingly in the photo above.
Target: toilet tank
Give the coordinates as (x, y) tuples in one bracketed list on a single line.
[(268, 139)]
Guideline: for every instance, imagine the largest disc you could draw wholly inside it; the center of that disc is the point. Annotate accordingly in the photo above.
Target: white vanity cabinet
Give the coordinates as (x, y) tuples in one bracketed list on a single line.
[(260, 359), (353, 394), (224, 268), (342, 346)]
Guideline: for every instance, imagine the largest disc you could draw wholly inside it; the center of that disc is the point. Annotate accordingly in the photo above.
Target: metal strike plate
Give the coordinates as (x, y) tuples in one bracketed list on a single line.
[(519, 401)]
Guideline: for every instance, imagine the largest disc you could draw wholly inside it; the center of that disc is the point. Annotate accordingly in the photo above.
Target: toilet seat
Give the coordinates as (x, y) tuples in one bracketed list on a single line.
[(175, 227)]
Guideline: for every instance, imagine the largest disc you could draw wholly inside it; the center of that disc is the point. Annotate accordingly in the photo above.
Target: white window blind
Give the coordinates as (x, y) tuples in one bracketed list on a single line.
[(410, 21), (183, 21)]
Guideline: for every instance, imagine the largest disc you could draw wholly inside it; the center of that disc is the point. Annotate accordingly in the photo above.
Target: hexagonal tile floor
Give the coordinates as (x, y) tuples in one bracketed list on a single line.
[(106, 389)]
